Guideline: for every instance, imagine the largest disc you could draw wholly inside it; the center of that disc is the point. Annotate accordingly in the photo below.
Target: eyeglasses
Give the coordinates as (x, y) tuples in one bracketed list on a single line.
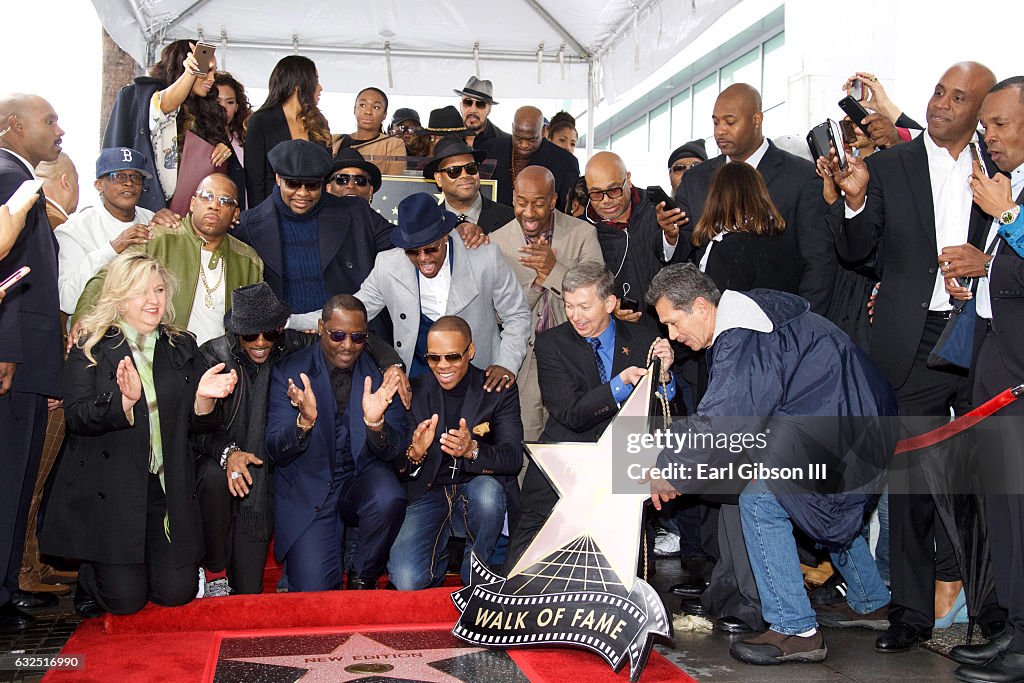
[(399, 130), (270, 335), (435, 358), (222, 200), (681, 168), (126, 178), (357, 180), (472, 168), (338, 336), (293, 184), (611, 193), (426, 251), (470, 102)]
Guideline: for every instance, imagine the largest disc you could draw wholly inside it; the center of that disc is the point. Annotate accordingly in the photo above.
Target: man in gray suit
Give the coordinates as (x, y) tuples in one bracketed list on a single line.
[(541, 245), (431, 274)]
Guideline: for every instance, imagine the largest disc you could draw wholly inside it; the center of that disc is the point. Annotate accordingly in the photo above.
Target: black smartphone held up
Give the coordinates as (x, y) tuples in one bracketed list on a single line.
[(818, 140), (835, 138), (204, 54), (627, 304), (855, 111), (656, 196), (849, 131)]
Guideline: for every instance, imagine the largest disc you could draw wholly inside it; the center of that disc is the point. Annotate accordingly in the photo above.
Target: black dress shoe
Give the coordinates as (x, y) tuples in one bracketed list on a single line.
[(1007, 667), (356, 583), (33, 600), (86, 605), (693, 607), (690, 588), (732, 625), (900, 638), (985, 652), (13, 619)]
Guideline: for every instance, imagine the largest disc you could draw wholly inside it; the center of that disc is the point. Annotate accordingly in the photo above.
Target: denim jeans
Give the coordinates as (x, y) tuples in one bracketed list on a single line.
[(768, 532), (418, 556)]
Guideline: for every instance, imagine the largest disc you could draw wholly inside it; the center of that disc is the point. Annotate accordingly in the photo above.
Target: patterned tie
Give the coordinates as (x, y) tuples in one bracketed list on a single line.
[(545, 318), (595, 344)]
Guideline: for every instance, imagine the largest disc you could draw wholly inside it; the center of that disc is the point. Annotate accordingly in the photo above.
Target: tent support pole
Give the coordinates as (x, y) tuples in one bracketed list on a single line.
[(591, 104)]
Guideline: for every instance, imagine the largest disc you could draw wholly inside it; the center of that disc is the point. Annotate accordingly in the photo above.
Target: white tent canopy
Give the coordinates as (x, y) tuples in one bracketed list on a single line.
[(528, 48)]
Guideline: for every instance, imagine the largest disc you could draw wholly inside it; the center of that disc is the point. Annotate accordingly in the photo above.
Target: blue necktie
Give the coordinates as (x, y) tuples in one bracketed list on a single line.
[(595, 344)]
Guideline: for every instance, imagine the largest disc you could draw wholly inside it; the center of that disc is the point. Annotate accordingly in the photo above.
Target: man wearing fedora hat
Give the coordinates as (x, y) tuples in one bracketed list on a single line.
[(238, 518), (312, 243), (477, 100), (351, 175), (456, 170), (430, 274)]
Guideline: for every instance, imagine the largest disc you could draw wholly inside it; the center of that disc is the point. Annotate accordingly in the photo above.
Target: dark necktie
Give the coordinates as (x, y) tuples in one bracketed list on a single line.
[(595, 344)]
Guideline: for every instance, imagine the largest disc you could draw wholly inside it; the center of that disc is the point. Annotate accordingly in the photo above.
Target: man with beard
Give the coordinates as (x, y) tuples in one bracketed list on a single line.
[(207, 261), (477, 100)]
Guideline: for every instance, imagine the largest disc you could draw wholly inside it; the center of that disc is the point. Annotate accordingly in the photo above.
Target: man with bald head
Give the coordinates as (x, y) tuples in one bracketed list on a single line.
[(541, 245), (30, 338), (903, 206), (60, 188), (792, 183), (529, 147)]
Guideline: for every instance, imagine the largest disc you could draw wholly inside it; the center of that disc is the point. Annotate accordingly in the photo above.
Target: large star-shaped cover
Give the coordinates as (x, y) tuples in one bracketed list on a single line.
[(407, 665), (581, 473)]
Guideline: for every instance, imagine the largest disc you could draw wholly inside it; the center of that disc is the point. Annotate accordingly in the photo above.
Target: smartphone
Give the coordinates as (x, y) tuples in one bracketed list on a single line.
[(656, 196), (975, 148), (857, 89), (204, 54), (627, 304), (25, 196), (835, 138), (849, 131), (14, 277), (818, 141), (855, 111)]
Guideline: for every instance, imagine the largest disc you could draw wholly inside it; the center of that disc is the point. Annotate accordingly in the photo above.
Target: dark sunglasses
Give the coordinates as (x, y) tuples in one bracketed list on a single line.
[(680, 168), (293, 184), (270, 335), (455, 171), (338, 336), (470, 102), (399, 130), (612, 193), (427, 251), (435, 358), (357, 180)]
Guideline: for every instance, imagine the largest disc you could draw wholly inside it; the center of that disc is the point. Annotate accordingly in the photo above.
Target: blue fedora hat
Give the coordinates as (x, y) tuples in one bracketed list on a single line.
[(421, 220)]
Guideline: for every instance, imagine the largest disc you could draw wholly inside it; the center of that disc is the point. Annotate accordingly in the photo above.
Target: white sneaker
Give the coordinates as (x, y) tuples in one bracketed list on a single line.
[(218, 588), (202, 583), (666, 544)]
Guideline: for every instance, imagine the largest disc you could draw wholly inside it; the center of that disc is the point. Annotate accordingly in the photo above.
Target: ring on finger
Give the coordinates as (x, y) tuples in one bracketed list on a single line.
[(235, 475)]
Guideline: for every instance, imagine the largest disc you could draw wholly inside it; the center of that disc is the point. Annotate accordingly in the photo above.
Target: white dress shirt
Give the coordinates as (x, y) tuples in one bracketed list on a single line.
[(207, 322), (434, 290), (952, 199)]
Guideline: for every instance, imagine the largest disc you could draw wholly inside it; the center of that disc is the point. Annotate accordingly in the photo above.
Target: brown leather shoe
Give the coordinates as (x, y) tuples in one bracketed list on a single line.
[(36, 587), (844, 616), (772, 647)]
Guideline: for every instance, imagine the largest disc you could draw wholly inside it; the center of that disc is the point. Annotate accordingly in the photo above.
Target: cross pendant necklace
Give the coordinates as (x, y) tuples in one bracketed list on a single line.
[(455, 467)]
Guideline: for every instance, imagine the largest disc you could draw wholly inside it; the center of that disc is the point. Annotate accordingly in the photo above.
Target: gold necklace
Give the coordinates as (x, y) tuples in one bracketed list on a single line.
[(208, 294)]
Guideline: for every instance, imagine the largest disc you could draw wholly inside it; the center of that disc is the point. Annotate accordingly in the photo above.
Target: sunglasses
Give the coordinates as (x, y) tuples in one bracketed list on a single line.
[(435, 358), (470, 102), (426, 251), (126, 178), (613, 193), (222, 200), (357, 180), (680, 168), (270, 335), (399, 130), (455, 171), (338, 336), (293, 184)]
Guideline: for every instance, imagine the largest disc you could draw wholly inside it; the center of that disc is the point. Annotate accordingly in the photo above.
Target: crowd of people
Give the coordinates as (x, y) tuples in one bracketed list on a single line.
[(252, 354)]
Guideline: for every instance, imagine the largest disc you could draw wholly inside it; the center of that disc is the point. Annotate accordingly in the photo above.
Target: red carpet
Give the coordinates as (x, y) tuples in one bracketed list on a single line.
[(179, 643)]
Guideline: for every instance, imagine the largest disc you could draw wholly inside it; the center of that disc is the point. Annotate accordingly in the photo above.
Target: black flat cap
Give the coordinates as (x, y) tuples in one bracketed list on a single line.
[(300, 160)]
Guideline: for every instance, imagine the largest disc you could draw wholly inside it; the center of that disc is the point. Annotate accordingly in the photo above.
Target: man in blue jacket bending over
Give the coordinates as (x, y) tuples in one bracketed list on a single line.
[(803, 419)]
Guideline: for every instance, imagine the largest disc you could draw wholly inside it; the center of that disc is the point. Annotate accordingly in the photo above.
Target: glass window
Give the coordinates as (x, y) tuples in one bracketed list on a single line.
[(773, 87), (682, 119), (631, 140), (705, 92), (659, 135), (743, 69)]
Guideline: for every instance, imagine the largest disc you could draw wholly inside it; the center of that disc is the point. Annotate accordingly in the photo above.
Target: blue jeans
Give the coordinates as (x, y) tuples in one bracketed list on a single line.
[(768, 532), (419, 556)]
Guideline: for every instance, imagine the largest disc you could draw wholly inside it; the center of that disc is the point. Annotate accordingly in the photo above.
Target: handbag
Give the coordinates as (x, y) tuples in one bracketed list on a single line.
[(956, 343)]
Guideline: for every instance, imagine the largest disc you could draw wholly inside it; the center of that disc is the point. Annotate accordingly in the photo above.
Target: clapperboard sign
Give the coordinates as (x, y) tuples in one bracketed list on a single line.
[(576, 584)]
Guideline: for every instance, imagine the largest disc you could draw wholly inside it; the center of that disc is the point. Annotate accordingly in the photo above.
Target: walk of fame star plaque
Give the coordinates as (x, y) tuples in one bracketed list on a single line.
[(576, 584)]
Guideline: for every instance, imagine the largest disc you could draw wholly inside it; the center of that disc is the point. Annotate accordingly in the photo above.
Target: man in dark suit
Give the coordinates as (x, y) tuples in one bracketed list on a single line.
[(999, 364), (462, 194), (477, 100), (30, 338), (312, 243), (586, 368), (904, 205), (529, 147), (792, 183), (464, 480), (332, 434)]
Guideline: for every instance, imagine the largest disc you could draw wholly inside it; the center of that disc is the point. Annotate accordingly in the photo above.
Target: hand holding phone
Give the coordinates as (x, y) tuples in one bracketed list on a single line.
[(857, 113), (25, 196), (14, 277), (204, 54), (656, 195)]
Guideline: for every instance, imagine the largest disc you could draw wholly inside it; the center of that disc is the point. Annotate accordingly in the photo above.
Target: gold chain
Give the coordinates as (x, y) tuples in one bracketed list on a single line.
[(208, 294), (663, 394)]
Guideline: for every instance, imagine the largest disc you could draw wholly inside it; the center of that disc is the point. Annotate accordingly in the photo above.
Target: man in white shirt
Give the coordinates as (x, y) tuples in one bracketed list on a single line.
[(90, 238)]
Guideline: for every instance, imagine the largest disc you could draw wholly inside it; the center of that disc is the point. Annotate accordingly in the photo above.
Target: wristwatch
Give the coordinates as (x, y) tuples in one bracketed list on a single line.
[(1009, 216), (226, 453)]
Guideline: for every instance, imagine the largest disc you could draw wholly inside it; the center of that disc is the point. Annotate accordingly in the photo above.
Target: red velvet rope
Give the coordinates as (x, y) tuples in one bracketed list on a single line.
[(963, 422)]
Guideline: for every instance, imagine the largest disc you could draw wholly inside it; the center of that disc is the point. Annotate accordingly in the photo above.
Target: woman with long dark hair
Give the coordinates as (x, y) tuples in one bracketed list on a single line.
[(386, 151), (232, 98), (290, 113)]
